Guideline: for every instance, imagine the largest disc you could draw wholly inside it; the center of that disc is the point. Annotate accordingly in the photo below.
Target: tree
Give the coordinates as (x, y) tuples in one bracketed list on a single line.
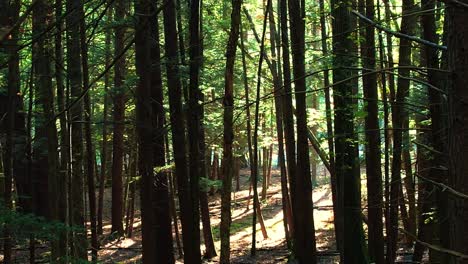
[(457, 143), (228, 135), (191, 248), (373, 160), (399, 115), (156, 224), (118, 96), (346, 160), (304, 235), (74, 74)]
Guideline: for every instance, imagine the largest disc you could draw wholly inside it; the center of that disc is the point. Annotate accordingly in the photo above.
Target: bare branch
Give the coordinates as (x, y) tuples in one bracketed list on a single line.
[(398, 34)]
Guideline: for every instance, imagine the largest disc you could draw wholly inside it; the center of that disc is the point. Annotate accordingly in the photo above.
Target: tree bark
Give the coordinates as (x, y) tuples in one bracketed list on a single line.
[(118, 122), (191, 248), (398, 119), (228, 104), (373, 153), (302, 202), (457, 47), (74, 73), (346, 160)]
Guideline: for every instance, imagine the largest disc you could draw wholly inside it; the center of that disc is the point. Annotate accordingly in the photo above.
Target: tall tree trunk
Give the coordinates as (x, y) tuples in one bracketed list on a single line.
[(150, 122), (428, 230), (228, 104), (196, 157), (398, 119), (63, 176), (90, 155), (104, 149), (74, 74), (278, 82), (302, 202), (457, 47), (346, 162), (373, 162), (331, 144), (163, 231), (12, 102), (191, 247), (118, 122), (288, 114)]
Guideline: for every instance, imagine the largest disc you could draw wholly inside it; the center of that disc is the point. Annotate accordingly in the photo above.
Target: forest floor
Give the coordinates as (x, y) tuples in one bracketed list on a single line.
[(271, 249)]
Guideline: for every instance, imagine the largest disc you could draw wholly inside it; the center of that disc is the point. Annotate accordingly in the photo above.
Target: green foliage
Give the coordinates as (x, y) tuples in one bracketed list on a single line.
[(206, 184)]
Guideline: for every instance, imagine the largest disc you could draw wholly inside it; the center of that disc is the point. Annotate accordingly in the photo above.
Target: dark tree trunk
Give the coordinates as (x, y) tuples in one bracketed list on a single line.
[(399, 114), (228, 104), (90, 155), (331, 143), (118, 122), (288, 114), (74, 74), (304, 235), (437, 162), (457, 47), (62, 177), (13, 104), (373, 162), (196, 157), (346, 162), (191, 247), (162, 229), (156, 227), (277, 79), (104, 149)]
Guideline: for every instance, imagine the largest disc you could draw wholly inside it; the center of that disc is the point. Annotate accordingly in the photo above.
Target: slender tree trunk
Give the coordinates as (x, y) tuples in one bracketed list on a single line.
[(118, 122), (429, 231), (194, 115), (191, 247), (228, 104), (288, 114), (12, 102), (74, 73), (331, 144), (90, 155), (302, 202), (286, 206), (398, 119), (373, 161), (64, 133), (104, 149), (457, 146)]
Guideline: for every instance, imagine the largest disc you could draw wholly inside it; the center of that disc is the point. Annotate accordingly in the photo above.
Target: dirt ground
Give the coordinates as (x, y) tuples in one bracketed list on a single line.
[(271, 249)]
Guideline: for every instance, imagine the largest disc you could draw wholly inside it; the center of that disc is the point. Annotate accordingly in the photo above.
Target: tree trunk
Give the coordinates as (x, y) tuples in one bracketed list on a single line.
[(457, 47), (346, 162), (74, 73), (331, 143), (288, 116), (90, 156), (228, 104), (13, 103), (191, 247), (104, 149), (302, 203), (373, 162), (150, 120), (118, 122), (398, 119)]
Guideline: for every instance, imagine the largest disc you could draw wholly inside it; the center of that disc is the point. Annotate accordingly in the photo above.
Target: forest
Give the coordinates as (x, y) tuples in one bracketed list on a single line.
[(246, 131)]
